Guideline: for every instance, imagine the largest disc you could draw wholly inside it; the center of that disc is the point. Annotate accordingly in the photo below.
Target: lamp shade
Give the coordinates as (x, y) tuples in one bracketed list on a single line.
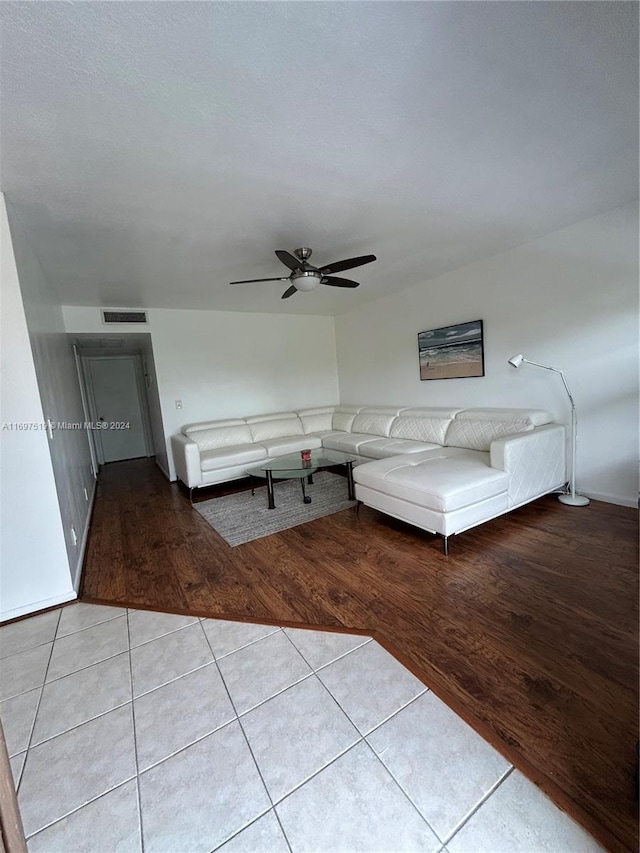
[(517, 360)]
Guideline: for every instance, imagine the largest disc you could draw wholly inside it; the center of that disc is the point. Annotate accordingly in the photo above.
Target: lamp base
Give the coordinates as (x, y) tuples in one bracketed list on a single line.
[(574, 500)]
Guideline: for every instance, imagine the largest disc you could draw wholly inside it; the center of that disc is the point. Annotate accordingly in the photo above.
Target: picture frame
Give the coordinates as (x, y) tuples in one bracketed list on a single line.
[(452, 352)]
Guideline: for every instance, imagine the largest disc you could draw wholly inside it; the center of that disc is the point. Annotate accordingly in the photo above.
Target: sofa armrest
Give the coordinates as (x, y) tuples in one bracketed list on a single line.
[(186, 458), (534, 461)]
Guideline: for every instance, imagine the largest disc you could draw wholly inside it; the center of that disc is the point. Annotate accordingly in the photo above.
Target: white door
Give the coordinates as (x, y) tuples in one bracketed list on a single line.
[(117, 410)]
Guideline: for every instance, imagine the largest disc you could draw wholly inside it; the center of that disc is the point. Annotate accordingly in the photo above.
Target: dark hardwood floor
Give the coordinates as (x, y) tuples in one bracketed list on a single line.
[(528, 630)]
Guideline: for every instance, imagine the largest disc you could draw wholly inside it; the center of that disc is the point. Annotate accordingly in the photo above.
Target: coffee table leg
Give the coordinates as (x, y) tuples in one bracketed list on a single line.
[(272, 503), (305, 497), (350, 488)]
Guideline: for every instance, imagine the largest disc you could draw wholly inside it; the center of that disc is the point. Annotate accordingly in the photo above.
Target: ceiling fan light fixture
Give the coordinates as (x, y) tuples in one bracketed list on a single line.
[(306, 279)]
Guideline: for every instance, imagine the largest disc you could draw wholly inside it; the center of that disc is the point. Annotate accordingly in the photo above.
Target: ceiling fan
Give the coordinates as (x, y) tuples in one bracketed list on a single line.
[(304, 276)]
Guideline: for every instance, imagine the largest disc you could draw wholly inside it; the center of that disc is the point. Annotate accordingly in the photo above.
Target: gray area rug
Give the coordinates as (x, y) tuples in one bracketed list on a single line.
[(242, 517)]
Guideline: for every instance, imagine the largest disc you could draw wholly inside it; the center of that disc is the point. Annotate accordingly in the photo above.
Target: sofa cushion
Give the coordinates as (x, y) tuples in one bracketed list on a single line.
[(532, 417), (276, 428), (325, 433), (419, 428), (315, 420), (478, 435), (290, 444), (381, 448), (347, 442), (372, 423), (220, 436), (343, 417), (226, 457), (442, 480)]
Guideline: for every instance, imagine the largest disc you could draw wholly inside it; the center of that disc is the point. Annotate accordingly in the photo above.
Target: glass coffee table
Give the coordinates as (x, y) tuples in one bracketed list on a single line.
[(293, 466)]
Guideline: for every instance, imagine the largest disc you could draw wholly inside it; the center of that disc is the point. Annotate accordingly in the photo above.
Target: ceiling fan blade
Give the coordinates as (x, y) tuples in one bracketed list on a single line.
[(289, 260), (254, 280), (339, 282), (340, 266), (289, 292)]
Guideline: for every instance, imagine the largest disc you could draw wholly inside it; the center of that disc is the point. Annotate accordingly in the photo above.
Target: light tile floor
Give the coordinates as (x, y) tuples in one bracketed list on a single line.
[(130, 730)]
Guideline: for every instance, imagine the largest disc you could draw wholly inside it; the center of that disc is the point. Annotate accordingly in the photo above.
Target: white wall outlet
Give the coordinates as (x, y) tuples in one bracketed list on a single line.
[(86, 494), (74, 536), (178, 404)]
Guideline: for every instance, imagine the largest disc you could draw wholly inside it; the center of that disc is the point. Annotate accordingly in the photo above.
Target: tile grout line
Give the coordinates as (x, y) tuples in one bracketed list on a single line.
[(94, 625), (160, 636), (395, 713), (55, 635), (79, 808), (135, 739), (35, 717), (125, 781), (244, 734), (316, 670), (440, 843), (77, 725), (187, 745), (240, 648), (305, 677), (461, 823), (93, 663), (386, 719), (360, 739), (190, 672), (363, 737), (319, 770), (172, 680), (236, 834)]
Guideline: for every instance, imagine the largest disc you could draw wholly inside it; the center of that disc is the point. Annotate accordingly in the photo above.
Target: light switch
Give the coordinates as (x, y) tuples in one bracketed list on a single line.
[(178, 404)]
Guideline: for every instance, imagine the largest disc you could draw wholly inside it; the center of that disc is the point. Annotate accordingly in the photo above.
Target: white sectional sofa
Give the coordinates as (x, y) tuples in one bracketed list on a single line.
[(441, 469)]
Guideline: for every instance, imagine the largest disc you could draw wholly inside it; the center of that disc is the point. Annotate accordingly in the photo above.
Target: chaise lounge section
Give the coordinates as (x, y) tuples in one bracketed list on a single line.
[(443, 470)]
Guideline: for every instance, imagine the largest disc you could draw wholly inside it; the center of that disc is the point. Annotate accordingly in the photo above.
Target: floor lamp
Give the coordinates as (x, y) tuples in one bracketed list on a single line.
[(572, 499)]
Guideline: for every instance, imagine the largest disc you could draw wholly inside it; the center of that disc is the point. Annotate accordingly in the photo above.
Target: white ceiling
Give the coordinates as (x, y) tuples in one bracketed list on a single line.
[(156, 151)]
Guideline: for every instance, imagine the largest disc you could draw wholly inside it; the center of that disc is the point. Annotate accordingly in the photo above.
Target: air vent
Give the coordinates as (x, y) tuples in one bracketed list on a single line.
[(124, 317)]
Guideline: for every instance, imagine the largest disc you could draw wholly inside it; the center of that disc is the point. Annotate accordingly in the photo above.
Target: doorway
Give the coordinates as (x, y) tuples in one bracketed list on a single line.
[(118, 405)]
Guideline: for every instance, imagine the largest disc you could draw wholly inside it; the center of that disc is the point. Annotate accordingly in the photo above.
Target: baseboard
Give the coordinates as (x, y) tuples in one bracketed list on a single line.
[(37, 606), (77, 574), (612, 499)]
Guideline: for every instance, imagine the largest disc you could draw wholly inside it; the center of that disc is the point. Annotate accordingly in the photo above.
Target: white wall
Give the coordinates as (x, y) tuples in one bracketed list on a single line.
[(34, 571), (155, 407), (569, 300), (57, 376), (224, 364)]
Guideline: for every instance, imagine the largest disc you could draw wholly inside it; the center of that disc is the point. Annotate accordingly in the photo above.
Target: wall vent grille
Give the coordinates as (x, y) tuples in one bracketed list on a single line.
[(124, 317)]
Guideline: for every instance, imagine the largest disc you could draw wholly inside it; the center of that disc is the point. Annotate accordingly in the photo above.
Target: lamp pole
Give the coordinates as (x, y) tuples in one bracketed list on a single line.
[(572, 499)]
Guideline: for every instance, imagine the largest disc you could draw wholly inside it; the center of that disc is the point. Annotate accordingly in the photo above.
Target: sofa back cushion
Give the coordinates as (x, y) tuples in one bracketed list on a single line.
[(423, 424), (533, 417), (316, 420), (371, 422), (478, 434), (477, 428), (343, 417), (190, 429), (261, 430), (219, 436)]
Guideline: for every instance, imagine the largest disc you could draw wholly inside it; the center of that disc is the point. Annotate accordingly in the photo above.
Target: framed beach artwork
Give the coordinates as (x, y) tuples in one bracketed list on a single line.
[(453, 352)]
